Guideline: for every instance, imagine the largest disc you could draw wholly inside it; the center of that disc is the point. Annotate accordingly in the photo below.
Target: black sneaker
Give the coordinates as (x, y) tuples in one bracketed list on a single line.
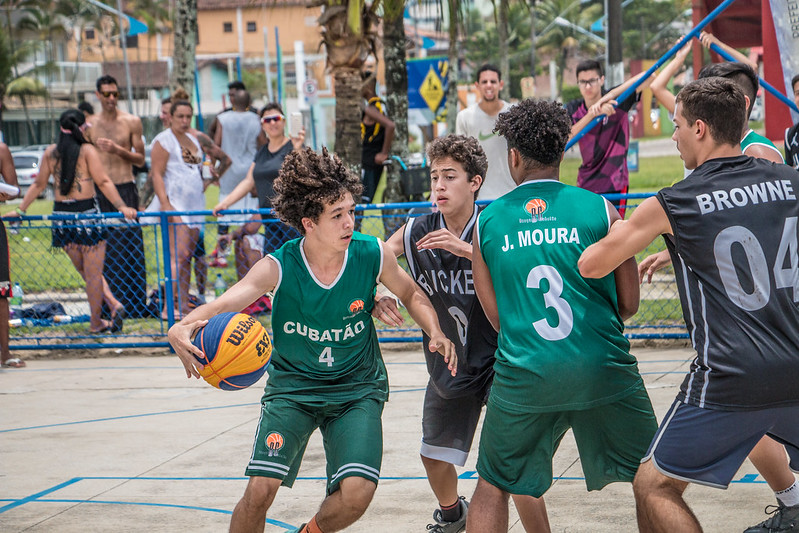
[(783, 519), (458, 526)]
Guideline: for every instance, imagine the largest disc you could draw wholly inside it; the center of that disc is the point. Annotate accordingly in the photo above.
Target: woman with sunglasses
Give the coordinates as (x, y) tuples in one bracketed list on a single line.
[(177, 181), (76, 167), (262, 174)]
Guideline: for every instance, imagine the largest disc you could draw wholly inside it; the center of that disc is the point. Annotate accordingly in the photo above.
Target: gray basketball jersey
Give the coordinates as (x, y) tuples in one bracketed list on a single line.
[(736, 258), (447, 280)]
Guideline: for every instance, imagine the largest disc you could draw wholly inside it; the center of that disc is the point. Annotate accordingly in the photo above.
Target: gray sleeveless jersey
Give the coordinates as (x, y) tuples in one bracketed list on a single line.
[(447, 280), (240, 131), (736, 258)]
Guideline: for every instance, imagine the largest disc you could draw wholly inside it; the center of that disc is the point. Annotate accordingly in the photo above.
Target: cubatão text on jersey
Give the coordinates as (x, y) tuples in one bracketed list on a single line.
[(327, 335), (537, 237), (756, 193)]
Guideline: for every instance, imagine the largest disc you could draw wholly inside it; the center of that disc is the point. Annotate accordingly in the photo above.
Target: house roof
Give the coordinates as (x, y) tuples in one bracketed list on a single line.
[(143, 74), (232, 4)]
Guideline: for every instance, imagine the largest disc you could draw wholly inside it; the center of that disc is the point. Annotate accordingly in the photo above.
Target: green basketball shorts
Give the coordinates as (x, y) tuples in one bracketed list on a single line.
[(516, 449), (352, 434)]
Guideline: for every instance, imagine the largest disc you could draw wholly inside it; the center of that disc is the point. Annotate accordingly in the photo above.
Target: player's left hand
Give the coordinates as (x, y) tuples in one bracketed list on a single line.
[(180, 336), (652, 264), (387, 312), (445, 240), (439, 343), (603, 108)]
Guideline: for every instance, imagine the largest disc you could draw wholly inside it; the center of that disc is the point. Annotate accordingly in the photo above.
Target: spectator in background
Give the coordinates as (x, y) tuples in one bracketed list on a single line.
[(86, 108), (76, 167), (478, 121), (176, 165), (792, 133), (604, 147), (239, 134), (117, 135), (232, 87), (377, 132), (9, 175)]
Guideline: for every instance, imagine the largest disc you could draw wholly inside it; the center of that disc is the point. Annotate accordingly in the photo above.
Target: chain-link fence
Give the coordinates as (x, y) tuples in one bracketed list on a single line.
[(156, 284)]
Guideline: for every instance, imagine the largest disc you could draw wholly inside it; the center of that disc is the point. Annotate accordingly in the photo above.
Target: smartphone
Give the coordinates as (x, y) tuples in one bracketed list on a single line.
[(295, 124)]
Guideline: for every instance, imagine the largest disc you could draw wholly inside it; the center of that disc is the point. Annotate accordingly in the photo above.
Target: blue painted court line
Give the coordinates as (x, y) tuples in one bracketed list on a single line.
[(32, 497)]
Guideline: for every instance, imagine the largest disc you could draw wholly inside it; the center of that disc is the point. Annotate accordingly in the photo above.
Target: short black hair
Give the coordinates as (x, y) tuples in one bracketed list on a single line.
[(236, 84), (106, 80), (719, 103), (488, 67), (86, 107), (740, 73), (538, 129), (588, 64), (794, 81)]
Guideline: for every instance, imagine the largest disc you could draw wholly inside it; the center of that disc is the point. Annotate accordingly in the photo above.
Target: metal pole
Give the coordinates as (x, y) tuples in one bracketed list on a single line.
[(668, 55), (123, 38), (267, 68)]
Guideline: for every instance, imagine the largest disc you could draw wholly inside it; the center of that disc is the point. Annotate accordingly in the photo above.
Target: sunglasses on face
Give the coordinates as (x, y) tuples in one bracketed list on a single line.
[(273, 118), (109, 94)]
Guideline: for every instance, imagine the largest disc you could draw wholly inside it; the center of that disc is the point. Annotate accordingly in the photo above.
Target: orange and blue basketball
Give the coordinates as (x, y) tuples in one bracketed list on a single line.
[(237, 351)]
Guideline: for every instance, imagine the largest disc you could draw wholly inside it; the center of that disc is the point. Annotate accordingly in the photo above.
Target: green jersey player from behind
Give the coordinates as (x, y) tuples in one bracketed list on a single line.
[(326, 370), (562, 360)]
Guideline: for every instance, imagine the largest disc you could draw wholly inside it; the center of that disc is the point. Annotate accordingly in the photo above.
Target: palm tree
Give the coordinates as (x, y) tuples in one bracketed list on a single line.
[(75, 16), (395, 46), (349, 34), (183, 61)]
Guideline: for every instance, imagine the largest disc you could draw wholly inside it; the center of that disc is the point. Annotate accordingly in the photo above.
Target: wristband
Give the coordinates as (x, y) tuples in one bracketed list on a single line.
[(20, 211)]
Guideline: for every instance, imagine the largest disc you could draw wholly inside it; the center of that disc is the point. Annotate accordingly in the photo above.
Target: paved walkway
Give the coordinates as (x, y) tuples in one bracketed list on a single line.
[(128, 444)]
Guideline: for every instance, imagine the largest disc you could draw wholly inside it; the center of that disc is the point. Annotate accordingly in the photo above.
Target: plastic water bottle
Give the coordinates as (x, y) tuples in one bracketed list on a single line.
[(16, 296), (219, 286)]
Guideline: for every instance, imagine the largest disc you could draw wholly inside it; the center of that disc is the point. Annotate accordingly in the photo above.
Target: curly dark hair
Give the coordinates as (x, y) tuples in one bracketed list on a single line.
[(308, 181), (462, 149), (538, 129)]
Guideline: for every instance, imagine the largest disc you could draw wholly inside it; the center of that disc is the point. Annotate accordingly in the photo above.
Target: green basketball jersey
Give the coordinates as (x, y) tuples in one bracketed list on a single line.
[(325, 344), (561, 344)]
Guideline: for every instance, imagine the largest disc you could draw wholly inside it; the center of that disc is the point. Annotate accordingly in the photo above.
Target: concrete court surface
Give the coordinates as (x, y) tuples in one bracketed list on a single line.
[(127, 443)]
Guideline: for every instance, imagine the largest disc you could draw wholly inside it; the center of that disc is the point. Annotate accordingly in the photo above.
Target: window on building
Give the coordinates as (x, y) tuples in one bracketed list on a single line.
[(90, 34), (227, 27), (132, 41), (251, 27)]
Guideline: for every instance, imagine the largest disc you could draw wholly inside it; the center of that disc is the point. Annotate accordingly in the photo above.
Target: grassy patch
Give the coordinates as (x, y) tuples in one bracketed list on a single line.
[(653, 174)]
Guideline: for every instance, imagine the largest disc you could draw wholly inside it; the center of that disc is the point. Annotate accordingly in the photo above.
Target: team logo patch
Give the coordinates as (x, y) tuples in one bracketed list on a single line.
[(274, 441), (535, 207), (355, 307)]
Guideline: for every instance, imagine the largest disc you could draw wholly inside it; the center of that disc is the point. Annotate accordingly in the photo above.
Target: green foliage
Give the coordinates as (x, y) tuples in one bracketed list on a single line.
[(649, 29), (569, 93)]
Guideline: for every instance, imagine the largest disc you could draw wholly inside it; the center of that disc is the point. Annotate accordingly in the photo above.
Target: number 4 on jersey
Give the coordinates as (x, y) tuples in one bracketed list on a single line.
[(326, 357)]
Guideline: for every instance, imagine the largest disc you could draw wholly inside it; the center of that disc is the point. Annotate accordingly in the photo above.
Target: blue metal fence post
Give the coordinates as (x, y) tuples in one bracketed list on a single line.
[(169, 289)]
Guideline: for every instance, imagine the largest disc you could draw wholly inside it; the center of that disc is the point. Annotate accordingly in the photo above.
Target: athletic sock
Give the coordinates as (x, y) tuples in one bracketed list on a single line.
[(790, 496), (451, 513), (312, 527)]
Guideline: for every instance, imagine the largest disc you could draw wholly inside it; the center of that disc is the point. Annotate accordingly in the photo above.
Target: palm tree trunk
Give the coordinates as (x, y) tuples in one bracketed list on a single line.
[(348, 116), (452, 70), (394, 54), (185, 31), (504, 62)]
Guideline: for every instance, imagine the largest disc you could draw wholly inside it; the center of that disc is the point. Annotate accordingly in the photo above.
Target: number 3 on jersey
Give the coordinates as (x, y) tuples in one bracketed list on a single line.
[(326, 357), (552, 299)]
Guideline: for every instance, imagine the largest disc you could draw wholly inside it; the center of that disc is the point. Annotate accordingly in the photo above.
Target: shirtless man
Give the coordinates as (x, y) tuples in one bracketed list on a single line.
[(117, 135)]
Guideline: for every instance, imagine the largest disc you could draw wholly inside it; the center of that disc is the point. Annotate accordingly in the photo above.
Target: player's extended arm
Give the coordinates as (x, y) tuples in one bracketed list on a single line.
[(707, 39), (625, 239), (484, 286), (260, 279), (628, 292), (659, 85), (419, 307), (104, 183)]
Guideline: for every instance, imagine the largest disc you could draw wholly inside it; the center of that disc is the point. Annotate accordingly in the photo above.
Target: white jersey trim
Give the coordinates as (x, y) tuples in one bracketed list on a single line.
[(279, 272), (406, 242), (381, 246), (313, 276)]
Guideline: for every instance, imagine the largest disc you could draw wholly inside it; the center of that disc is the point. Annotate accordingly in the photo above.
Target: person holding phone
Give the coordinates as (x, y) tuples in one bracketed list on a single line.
[(263, 172)]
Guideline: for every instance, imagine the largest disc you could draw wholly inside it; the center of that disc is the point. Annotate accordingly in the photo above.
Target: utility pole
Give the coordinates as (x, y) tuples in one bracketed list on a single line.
[(614, 70)]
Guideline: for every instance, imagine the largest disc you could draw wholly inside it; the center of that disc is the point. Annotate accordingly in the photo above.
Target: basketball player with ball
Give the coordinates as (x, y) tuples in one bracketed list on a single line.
[(326, 368)]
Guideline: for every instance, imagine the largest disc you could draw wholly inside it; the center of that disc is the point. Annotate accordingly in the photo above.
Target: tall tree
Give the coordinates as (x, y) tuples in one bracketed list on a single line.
[(395, 45), (504, 60), (76, 16), (349, 35), (185, 31), (14, 7)]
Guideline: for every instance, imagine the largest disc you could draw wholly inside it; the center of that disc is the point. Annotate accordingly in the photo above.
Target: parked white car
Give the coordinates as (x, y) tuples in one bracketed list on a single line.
[(26, 163)]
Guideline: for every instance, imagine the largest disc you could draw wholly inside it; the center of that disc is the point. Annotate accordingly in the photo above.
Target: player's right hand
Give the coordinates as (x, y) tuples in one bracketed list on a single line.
[(180, 336), (217, 208), (386, 311), (439, 343), (652, 264)]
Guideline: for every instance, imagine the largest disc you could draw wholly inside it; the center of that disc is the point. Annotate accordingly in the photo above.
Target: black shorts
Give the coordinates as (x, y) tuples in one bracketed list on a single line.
[(708, 446), (84, 232), (5, 271)]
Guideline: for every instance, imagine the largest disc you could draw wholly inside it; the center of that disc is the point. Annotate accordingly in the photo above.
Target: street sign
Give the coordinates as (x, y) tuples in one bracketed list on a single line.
[(432, 89), (310, 89)]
